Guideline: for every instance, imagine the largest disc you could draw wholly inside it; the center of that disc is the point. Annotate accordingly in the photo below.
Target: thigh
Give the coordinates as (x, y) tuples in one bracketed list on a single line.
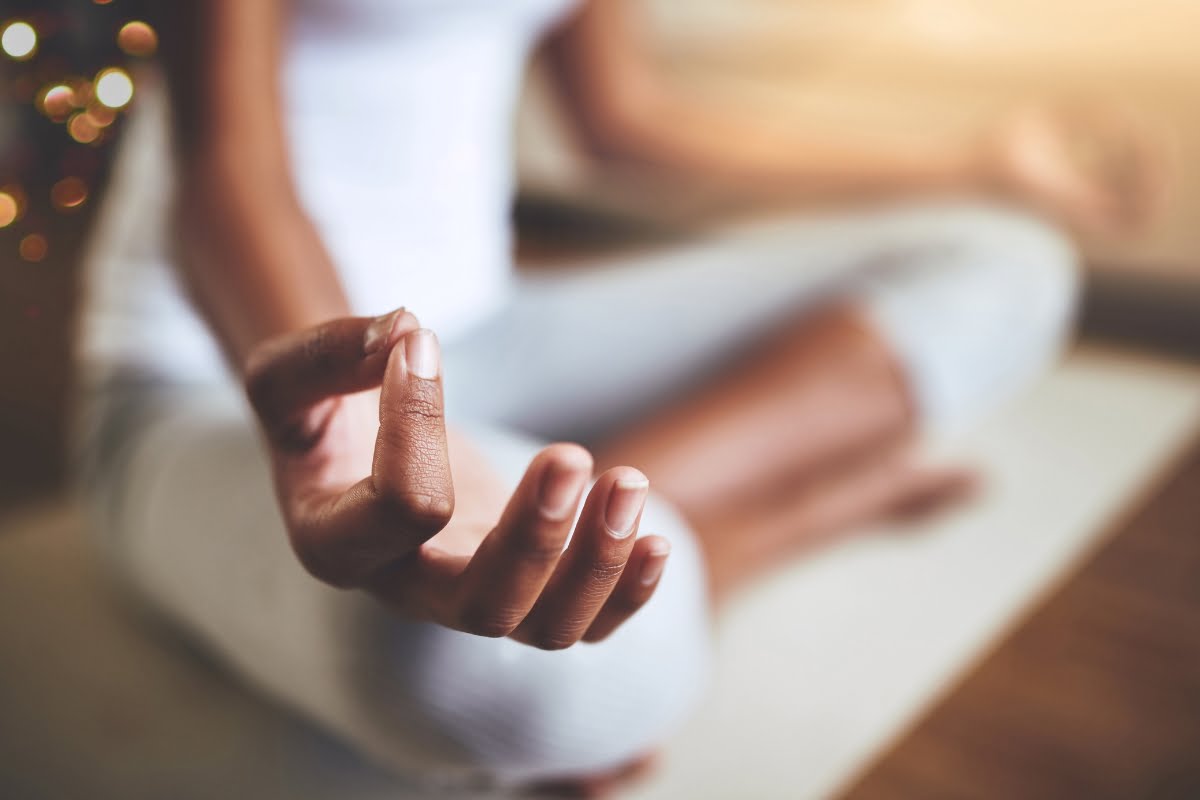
[(198, 534), (582, 350)]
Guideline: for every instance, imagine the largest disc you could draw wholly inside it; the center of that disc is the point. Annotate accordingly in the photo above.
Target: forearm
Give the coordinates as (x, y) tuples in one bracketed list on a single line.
[(761, 155), (628, 110), (252, 260), (250, 257)]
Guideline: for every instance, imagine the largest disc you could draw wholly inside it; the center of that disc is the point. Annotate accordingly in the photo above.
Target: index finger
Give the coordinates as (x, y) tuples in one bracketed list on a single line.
[(286, 377), (409, 495)]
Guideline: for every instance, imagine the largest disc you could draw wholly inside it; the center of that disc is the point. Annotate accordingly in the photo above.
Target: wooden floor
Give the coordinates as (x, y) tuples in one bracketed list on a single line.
[(1096, 696)]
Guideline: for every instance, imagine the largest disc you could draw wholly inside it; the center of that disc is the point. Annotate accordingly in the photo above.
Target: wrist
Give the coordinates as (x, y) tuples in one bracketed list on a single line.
[(250, 258)]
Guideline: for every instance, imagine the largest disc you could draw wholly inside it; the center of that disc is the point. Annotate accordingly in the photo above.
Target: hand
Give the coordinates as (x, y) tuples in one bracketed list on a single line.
[(483, 567), (1098, 171)]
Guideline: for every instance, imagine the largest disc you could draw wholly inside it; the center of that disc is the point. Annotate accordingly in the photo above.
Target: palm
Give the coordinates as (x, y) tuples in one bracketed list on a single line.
[(378, 495), (349, 442)]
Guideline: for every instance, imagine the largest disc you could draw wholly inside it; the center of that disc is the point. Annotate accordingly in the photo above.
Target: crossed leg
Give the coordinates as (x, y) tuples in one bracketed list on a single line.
[(965, 308), (805, 441), (768, 380)]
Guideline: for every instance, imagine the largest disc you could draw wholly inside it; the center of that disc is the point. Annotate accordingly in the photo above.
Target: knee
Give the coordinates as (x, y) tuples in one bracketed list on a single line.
[(1038, 266), (1013, 276), (980, 311), (517, 714)]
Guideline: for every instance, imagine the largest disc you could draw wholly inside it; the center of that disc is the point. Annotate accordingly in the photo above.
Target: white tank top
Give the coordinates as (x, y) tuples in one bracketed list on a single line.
[(399, 116)]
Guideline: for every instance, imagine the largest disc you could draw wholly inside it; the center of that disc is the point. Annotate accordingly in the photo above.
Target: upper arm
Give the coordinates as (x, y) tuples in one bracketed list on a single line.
[(251, 259), (604, 71), (222, 59)]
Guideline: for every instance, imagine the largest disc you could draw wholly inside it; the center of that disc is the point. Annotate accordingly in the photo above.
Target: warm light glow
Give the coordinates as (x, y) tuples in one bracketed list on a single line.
[(18, 195), (68, 193), (33, 247), (82, 88), (8, 209), (101, 116), (137, 39), (19, 40), (114, 88), (83, 129), (58, 102)]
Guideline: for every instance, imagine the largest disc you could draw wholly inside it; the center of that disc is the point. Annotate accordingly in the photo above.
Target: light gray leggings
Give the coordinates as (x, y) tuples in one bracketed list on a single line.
[(975, 302)]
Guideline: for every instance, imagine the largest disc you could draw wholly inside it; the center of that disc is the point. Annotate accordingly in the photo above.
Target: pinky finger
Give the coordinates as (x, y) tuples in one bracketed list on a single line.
[(636, 586)]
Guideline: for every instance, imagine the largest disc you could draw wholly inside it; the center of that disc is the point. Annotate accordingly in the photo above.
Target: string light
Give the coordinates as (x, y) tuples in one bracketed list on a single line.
[(19, 40), (33, 248), (82, 89), (114, 88), (57, 102), (137, 39), (86, 107), (68, 194), (101, 116), (82, 128), (8, 209)]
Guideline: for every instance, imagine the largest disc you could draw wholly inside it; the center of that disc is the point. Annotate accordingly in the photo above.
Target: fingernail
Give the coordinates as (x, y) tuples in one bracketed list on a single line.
[(558, 496), (624, 504), (380, 331), (652, 567), (423, 355)]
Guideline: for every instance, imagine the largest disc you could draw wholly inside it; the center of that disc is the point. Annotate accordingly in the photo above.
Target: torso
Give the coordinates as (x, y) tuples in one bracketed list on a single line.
[(399, 118)]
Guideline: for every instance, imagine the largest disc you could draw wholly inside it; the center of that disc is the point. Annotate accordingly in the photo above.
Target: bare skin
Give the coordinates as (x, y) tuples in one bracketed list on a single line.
[(1092, 168), (812, 407), (807, 397)]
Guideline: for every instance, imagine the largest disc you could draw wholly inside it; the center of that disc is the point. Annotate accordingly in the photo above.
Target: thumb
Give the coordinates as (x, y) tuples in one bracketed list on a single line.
[(409, 495), (411, 469), (289, 376)]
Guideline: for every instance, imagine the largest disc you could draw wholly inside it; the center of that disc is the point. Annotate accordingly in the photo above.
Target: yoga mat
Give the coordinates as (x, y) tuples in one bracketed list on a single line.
[(818, 669), (823, 666)]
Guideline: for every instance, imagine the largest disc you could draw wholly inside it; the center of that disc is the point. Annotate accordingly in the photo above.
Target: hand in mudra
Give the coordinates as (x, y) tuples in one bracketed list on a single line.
[(370, 500)]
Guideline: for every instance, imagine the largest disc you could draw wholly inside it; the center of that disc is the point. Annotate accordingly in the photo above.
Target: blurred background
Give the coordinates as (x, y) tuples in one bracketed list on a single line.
[(1082, 680), (890, 67)]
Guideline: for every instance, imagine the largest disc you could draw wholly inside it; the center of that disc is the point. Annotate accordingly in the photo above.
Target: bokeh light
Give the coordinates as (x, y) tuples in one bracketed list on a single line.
[(33, 247), (69, 193), (19, 40), (8, 209), (137, 39), (101, 116), (58, 102), (114, 88), (83, 90), (83, 129)]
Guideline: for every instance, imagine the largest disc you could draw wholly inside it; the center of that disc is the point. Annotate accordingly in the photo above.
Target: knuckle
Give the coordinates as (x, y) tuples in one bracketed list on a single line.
[(605, 570), (538, 549), (423, 408)]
